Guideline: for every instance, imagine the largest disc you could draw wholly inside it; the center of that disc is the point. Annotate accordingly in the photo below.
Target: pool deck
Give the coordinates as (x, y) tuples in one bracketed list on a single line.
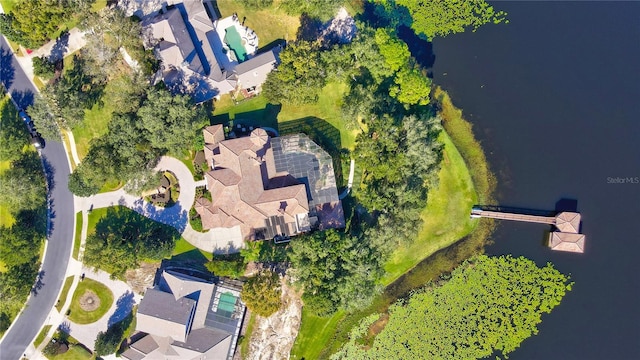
[(250, 38)]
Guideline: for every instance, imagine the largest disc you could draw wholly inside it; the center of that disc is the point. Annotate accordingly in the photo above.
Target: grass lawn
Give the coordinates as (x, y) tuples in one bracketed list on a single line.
[(93, 218), (95, 122), (244, 345), (270, 24), (77, 239), (76, 352), (6, 219), (446, 221), (7, 5), (184, 250), (78, 315), (258, 112), (65, 291), (315, 333), (41, 335), (446, 217), (327, 108), (39, 82)]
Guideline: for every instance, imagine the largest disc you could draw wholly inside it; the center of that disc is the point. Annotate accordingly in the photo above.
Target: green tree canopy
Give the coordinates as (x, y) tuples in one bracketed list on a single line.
[(488, 304), (412, 86), (336, 270), (13, 134), (231, 265), (395, 52), (299, 77), (262, 292), (171, 122), (126, 238), (34, 22), (43, 67), (23, 186)]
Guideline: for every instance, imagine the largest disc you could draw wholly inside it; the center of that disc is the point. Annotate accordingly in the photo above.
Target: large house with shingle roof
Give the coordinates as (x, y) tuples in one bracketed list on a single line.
[(191, 40), (185, 317), (247, 191), (268, 188)]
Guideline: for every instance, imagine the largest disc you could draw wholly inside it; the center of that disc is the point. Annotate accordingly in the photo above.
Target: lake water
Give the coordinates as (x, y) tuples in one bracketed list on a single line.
[(555, 98)]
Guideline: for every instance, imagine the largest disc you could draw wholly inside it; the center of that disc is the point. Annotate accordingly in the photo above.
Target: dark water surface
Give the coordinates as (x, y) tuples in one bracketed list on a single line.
[(555, 98)]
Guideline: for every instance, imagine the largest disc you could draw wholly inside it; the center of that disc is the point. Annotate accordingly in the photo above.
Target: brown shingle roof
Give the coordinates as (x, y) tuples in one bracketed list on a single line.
[(213, 134), (564, 241), (568, 222), (245, 188)]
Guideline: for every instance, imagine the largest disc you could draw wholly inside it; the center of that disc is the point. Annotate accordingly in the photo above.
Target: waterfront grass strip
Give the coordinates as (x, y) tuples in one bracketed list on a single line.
[(461, 132)]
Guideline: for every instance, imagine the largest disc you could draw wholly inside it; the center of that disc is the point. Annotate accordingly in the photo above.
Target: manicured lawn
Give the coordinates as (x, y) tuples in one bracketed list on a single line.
[(270, 24), (327, 108), (288, 118), (95, 123), (77, 239), (39, 83), (315, 333), (446, 217), (41, 335), (93, 218), (186, 251), (76, 352), (7, 5), (244, 345), (6, 219), (65, 291), (78, 315)]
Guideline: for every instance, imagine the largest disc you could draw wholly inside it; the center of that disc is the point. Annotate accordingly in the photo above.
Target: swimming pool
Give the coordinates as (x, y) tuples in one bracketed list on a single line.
[(227, 302), (234, 40)]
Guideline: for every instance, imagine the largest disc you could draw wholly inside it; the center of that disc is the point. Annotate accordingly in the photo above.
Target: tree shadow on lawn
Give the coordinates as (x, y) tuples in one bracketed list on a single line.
[(124, 306), (266, 117)]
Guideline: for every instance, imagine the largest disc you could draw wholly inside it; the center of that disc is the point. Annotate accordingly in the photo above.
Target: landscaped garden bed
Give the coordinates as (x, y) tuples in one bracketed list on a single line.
[(91, 301)]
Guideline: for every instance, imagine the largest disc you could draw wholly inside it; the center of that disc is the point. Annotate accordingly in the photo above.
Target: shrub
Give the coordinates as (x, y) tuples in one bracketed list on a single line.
[(43, 67), (262, 293), (231, 266)]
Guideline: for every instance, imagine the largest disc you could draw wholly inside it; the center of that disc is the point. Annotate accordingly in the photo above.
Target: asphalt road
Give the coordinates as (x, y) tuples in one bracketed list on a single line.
[(60, 239)]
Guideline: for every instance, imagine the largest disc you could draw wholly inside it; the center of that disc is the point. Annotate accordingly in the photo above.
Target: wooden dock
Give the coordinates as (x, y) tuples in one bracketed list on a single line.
[(477, 213), (567, 236)]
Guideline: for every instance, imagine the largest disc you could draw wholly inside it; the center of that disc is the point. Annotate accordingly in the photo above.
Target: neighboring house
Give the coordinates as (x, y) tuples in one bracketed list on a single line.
[(188, 318), (252, 188), (192, 42)]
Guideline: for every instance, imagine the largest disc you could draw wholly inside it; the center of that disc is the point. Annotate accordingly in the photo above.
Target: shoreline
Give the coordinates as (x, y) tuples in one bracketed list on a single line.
[(442, 260)]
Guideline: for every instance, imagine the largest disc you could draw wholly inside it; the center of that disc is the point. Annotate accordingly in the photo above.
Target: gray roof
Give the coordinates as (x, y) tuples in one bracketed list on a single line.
[(202, 340), (161, 314), (256, 62), (132, 354), (181, 285), (177, 46), (145, 345)]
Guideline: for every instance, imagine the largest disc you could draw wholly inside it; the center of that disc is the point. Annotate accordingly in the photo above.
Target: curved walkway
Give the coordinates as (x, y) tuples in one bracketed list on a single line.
[(177, 216), (123, 300)]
